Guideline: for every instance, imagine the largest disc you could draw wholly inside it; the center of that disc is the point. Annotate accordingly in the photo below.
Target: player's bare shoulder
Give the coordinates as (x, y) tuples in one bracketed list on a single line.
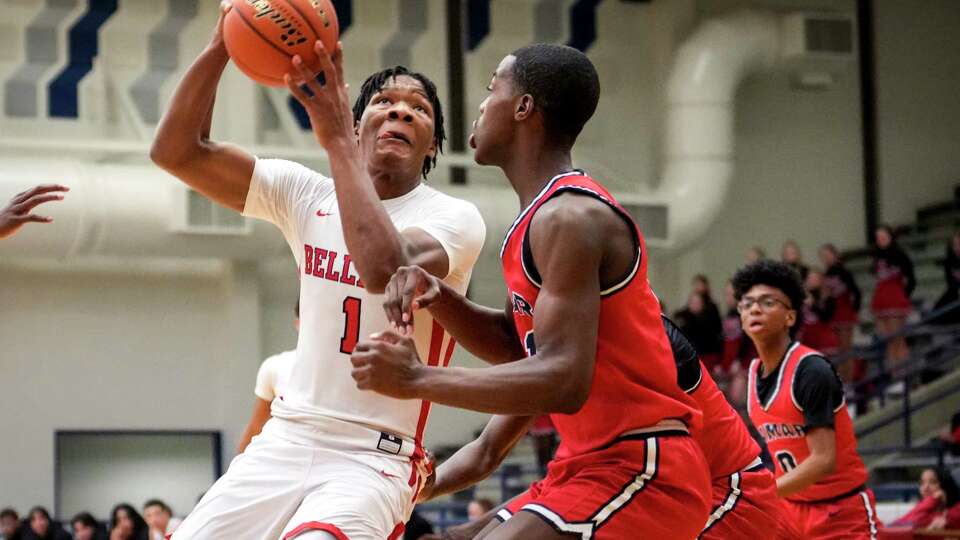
[(572, 216)]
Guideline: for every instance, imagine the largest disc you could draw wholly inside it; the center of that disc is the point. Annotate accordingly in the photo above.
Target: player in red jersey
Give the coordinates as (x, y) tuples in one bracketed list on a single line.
[(795, 400), (576, 269), (745, 503)]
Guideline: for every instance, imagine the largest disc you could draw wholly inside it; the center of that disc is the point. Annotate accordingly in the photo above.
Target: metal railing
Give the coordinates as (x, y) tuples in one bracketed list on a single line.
[(936, 346)]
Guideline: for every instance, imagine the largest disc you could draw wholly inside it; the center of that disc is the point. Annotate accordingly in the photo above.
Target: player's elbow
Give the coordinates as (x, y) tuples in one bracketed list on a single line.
[(173, 156), (165, 155)]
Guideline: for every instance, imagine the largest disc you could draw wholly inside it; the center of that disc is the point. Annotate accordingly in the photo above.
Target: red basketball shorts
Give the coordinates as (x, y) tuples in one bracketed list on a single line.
[(657, 483), (745, 505), (851, 518)]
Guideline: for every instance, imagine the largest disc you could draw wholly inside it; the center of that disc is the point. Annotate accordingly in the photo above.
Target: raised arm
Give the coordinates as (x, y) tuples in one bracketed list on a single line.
[(564, 240), (485, 332), (182, 145), (376, 246), (479, 458)]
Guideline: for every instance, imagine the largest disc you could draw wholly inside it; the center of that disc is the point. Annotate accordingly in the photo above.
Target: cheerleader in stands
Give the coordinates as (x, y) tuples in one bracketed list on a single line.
[(791, 256), (818, 311), (841, 286), (895, 281)]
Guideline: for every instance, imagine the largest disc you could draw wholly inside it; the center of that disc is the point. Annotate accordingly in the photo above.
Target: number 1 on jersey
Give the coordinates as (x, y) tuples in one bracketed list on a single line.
[(351, 326)]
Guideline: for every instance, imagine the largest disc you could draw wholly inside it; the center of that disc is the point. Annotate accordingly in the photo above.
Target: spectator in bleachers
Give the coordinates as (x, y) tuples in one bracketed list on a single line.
[(478, 507), (891, 296), (159, 518), (738, 351), (41, 527), (755, 254), (127, 524), (791, 256), (950, 435), (951, 274), (700, 322), (818, 311), (938, 507), (841, 286), (85, 527), (9, 524)]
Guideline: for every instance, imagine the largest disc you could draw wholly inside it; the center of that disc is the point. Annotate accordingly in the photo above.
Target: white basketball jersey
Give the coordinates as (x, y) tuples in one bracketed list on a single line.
[(273, 375), (336, 311)]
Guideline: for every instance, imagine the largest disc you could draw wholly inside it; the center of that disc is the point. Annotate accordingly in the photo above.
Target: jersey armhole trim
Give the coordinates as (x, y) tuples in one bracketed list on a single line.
[(526, 252), (783, 368)]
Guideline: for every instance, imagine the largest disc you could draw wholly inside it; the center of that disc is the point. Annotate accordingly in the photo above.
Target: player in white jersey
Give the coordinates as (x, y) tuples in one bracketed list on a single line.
[(272, 378), (334, 461)]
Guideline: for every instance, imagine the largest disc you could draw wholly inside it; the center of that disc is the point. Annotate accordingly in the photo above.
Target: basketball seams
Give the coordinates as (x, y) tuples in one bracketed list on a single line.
[(306, 20), (257, 31)]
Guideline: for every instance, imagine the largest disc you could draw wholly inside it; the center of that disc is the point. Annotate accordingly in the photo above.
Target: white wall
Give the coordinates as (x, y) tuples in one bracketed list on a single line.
[(115, 350), (918, 81)]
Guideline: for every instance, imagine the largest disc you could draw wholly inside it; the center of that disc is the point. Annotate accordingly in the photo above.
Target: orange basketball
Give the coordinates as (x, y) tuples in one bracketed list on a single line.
[(263, 35)]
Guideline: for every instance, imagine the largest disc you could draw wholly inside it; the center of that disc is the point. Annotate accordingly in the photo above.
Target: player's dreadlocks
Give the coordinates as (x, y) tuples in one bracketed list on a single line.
[(374, 84)]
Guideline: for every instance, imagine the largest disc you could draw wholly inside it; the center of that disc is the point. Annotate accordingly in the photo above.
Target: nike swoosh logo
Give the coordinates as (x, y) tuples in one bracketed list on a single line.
[(388, 475), (321, 213)]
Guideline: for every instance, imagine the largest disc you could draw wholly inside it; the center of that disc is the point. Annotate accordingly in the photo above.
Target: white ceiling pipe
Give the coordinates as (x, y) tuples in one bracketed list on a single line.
[(130, 210), (117, 210), (699, 138)]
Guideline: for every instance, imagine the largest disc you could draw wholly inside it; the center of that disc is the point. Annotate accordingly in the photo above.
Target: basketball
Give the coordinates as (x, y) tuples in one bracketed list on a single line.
[(262, 36)]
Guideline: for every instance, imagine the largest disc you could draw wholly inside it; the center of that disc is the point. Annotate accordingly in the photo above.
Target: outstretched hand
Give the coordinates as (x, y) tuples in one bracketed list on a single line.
[(18, 211), (410, 288), (327, 103)]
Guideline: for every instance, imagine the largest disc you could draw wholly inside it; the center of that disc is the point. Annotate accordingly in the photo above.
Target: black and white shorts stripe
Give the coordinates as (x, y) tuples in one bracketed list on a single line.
[(728, 504), (587, 529), (871, 519)]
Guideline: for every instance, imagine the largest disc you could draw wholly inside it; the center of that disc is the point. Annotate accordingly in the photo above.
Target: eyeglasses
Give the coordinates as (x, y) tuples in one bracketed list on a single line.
[(766, 303)]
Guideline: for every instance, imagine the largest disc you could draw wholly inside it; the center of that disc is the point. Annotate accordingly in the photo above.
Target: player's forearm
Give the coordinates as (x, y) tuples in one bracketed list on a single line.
[(466, 467), (485, 332), (186, 124), (805, 475), (376, 247), (531, 386)]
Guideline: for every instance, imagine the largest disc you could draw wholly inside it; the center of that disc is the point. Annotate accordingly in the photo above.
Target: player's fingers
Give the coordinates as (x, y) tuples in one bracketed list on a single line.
[(32, 218), (362, 347), (382, 339), (34, 201), (338, 64), (326, 65), (407, 291), (391, 306), (307, 75), (38, 190), (296, 90)]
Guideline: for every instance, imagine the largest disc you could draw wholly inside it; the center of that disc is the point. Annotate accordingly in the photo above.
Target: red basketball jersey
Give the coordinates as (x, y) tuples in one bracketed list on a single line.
[(780, 422), (724, 438), (635, 379)]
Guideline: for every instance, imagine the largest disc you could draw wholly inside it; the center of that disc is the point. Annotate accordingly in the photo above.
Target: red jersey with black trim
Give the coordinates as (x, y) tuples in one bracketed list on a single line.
[(780, 422), (635, 379), (724, 438)]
